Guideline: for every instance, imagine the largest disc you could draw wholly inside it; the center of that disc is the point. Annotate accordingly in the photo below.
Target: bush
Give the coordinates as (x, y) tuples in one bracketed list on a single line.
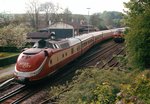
[(93, 86), (138, 39), (137, 92), (13, 36)]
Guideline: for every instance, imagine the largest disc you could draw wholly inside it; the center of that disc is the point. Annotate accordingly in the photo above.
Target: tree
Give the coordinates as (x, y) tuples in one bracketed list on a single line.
[(13, 35), (95, 20), (50, 11), (138, 37), (67, 15), (107, 19), (5, 19), (19, 19), (33, 13), (112, 18)]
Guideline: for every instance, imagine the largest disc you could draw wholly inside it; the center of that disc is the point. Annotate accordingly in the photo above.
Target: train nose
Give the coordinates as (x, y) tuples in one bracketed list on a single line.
[(30, 64), (30, 60)]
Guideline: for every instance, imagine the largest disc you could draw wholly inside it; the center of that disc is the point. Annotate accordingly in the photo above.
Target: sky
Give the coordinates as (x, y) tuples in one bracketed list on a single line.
[(75, 6)]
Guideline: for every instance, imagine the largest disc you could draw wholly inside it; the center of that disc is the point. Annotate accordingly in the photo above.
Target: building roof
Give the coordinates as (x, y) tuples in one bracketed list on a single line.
[(38, 35)]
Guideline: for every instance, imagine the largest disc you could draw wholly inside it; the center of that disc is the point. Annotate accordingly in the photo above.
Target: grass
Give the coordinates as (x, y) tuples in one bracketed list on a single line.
[(7, 54)]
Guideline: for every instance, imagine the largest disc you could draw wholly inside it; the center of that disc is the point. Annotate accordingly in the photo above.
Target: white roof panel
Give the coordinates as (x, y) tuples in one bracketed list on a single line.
[(73, 41), (84, 36)]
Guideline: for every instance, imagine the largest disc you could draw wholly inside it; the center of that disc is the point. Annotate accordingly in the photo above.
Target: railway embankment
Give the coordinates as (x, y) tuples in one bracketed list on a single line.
[(103, 86)]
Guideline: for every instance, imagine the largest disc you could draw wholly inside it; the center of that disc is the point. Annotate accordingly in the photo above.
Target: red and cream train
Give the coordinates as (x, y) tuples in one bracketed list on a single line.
[(47, 56)]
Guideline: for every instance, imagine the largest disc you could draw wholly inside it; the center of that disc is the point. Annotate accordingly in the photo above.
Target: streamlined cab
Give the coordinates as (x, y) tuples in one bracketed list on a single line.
[(118, 36), (32, 61)]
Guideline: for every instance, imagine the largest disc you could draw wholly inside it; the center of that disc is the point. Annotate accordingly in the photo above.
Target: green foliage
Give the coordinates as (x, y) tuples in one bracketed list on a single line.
[(95, 86), (92, 86), (123, 61), (103, 94), (112, 18), (137, 92), (106, 19), (13, 36), (138, 37)]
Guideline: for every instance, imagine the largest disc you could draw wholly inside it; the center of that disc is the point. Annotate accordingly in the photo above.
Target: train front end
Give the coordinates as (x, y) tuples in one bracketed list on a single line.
[(118, 36), (30, 65)]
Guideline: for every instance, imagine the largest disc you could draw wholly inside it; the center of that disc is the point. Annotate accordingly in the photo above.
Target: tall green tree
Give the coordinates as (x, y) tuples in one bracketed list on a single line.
[(112, 18), (95, 20), (138, 37)]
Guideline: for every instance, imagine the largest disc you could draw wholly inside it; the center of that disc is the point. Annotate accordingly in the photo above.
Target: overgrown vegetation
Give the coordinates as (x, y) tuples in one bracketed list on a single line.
[(95, 86), (137, 92), (13, 35), (138, 36)]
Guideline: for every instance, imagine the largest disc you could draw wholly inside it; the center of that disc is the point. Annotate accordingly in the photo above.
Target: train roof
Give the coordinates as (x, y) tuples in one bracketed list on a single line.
[(73, 41), (96, 33), (64, 43), (84, 36)]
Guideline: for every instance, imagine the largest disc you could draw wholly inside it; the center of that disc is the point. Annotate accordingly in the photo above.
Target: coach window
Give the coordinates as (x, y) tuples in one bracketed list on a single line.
[(72, 50), (88, 41), (85, 43), (57, 59), (66, 53), (77, 48), (50, 61), (62, 55)]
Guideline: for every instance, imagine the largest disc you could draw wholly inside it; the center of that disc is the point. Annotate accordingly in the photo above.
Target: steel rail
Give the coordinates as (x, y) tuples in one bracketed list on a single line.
[(12, 93)]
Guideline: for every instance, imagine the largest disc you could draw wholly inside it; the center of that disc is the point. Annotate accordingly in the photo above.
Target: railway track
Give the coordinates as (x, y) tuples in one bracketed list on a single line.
[(103, 57), (112, 62), (18, 95), (97, 54), (12, 93)]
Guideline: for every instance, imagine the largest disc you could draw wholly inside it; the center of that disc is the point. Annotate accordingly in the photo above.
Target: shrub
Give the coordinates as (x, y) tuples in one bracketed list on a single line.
[(138, 39), (137, 92), (93, 86), (13, 36)]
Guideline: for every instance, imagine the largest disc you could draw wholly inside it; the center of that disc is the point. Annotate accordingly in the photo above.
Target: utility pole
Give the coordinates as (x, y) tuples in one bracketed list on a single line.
[(88, 17)]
